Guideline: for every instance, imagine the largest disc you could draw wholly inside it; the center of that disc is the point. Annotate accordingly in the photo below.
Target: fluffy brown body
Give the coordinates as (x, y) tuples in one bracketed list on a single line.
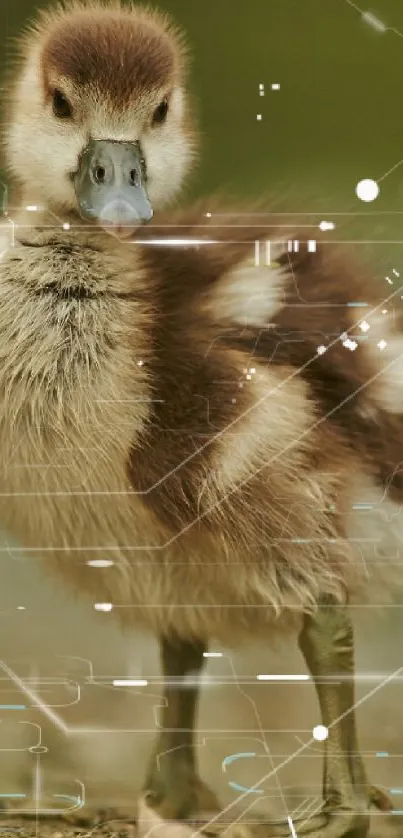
[(134, 429), (168, 408)]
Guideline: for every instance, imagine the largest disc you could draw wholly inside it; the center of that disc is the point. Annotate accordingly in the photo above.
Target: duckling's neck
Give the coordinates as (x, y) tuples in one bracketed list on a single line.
[(31, 216), (32, 206), (56, 253), (35, 225)]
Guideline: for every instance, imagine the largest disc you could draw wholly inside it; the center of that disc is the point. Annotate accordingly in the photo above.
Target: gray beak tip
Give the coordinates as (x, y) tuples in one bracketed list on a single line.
[(109, 186), (121, 213)]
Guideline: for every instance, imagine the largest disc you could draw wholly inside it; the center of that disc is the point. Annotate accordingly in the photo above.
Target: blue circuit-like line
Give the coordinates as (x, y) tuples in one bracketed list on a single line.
[(231, 758)]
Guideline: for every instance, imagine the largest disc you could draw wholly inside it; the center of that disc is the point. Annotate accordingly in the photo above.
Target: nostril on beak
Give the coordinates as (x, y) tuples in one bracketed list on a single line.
[(99, 174)]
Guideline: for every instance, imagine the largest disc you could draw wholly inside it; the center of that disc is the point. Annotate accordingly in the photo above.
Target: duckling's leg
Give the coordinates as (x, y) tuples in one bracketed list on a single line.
[(173, 784), (326, 642)]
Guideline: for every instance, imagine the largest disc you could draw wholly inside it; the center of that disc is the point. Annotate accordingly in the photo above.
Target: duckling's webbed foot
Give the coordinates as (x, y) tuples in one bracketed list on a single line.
[(326, 642), (173, 787)]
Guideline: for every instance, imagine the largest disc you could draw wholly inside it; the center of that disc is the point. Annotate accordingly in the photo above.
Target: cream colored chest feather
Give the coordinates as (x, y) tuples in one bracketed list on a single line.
[(72, 399)]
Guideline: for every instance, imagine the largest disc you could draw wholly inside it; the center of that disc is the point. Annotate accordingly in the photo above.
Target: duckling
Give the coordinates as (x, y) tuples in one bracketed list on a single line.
[(206, 423)]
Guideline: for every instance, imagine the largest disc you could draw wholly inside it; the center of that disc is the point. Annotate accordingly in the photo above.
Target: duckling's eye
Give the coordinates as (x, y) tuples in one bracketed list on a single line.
[(61, 106), (160, 113)]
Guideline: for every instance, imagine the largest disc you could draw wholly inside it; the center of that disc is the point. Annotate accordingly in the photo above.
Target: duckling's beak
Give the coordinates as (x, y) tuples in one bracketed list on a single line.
[(109, 185)]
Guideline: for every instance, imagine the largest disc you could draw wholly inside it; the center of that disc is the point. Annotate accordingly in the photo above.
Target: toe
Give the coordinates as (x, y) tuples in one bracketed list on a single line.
[(381, 799)]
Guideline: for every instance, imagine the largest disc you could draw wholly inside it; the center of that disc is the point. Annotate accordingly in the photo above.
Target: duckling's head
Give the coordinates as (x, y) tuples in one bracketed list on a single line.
[(99, 121)]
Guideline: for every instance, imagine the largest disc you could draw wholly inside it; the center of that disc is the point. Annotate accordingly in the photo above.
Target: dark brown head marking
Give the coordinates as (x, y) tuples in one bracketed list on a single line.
[(120, 52)]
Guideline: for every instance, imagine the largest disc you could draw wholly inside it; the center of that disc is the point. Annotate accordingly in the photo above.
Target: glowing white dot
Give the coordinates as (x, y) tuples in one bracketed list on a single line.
[(326, 225), (66, 226), (259, 117), (252, 370), (275, 86), (320, 733), (364, 326), (367, 190), (31, 208), (103, 606), (321, 349), (382, 344), (249, 377), (208, 214), (350, 344), (384, 311), (20, 607)]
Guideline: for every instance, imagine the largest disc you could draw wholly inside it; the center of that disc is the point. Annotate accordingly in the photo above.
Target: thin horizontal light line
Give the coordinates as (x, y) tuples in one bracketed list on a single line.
[(283, 677), (13, 707), (130, 682), (212, 654), (100, 562), (174, 242)]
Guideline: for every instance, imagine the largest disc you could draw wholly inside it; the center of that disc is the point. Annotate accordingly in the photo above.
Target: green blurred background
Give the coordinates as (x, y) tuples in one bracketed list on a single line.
[(335, 120)]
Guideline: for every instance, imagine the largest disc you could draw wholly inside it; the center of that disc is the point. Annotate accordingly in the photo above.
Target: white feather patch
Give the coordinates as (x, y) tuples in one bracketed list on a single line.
[(249, 295)]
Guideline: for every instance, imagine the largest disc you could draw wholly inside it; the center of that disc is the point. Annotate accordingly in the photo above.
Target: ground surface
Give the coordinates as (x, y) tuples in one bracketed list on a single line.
[(384, 826), (57, 828)]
